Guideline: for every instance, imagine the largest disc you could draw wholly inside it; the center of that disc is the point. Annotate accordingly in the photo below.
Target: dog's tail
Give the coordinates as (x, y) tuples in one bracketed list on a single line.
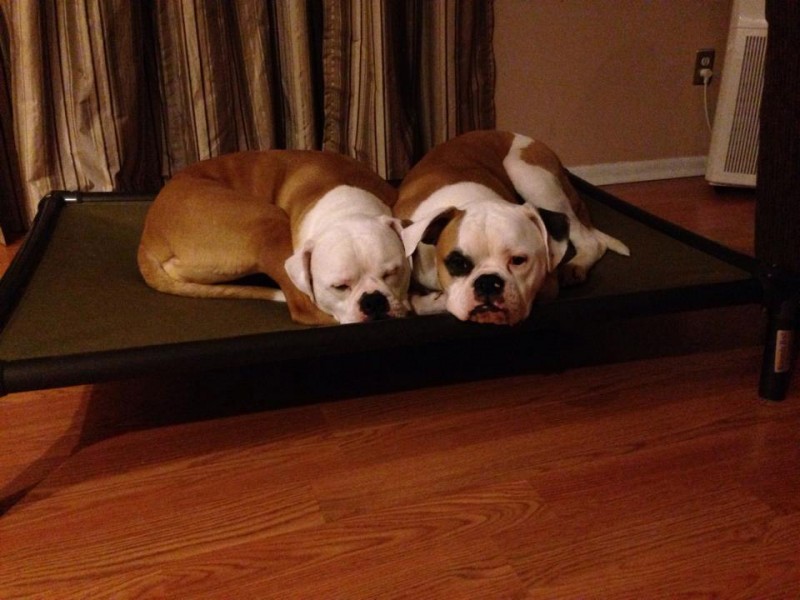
[(153, 272), (613, 244)]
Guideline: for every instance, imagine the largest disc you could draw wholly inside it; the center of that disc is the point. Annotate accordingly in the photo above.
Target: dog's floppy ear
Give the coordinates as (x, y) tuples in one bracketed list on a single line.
[(557, 226), (427, 231), (298, 267), (393, 223), (554, 227), (556, 223)]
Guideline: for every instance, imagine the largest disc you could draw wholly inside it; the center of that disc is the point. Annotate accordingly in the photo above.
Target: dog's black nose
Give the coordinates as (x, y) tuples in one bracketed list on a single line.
[(488, 286), (374, 305)]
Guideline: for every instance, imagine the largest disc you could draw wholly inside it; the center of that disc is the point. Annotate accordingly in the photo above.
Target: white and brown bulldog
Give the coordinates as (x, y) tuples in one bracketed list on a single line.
[(319, 224), (493, 216)]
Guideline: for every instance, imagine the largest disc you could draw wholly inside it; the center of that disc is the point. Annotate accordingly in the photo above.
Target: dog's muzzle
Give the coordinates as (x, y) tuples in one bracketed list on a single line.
[(487, 287), (488, 290), (374, 305)]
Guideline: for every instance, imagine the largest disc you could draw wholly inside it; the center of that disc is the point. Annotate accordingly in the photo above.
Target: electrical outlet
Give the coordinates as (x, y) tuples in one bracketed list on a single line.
[(704, 59)]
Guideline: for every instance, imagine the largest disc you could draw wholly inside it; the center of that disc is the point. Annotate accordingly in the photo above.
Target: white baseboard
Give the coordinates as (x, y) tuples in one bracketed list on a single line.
[(643, 170)]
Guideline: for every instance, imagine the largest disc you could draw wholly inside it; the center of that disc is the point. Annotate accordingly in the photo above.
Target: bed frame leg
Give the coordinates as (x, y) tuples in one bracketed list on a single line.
[(782, 298), (777, 222)]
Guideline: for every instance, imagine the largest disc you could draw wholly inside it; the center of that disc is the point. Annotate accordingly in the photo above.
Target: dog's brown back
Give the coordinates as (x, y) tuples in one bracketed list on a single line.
[(227, 217)]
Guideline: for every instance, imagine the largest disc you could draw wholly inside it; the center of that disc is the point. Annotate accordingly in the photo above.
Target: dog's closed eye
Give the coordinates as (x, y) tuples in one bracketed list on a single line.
[(389, 273)]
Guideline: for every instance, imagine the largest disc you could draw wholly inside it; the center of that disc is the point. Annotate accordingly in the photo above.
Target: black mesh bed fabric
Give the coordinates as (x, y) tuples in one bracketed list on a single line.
[(74, 309)]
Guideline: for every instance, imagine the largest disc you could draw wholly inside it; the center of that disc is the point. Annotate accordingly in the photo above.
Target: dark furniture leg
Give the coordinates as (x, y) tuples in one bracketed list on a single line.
[(778, 195), (782, 299)]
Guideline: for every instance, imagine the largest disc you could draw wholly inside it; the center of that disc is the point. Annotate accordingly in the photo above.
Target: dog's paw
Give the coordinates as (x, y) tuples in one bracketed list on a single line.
[(429, 304), (549, 290), (571, 274)]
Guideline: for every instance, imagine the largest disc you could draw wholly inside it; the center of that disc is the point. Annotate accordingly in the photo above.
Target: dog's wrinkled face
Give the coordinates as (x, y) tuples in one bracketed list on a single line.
[(355, 271), (491, 260)]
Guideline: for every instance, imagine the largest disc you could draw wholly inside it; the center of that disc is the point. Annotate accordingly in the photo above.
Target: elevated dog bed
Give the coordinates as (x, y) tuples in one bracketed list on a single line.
[(75, 309)]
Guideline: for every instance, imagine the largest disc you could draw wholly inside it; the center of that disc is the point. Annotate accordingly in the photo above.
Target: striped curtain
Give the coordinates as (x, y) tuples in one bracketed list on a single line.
[(101, 95)]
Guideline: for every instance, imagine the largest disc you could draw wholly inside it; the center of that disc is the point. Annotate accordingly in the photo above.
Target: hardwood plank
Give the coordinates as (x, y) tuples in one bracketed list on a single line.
[(701, 541), (459, 567), (281, 443), (726, 215), (52, 425), (42, 428), (265, 565), (634, 406), (120, 517), (7, 253), (444, 545), (125, 533)]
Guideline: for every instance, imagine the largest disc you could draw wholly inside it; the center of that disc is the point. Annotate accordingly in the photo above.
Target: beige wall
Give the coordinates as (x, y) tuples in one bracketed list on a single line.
[(606, 81)]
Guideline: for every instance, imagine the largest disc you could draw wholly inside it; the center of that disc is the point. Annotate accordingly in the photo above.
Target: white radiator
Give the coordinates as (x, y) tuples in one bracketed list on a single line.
[(733, 154)]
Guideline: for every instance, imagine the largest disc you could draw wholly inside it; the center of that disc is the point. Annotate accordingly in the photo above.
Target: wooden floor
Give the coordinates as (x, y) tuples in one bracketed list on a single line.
[(642, 478)]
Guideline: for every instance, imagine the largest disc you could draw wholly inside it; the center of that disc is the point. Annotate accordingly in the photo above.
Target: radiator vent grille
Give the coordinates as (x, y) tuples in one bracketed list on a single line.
[(742, 155)]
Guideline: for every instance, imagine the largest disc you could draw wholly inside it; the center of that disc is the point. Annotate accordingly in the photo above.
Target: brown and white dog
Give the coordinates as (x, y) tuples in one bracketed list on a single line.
[(493, 215), (318, 223)]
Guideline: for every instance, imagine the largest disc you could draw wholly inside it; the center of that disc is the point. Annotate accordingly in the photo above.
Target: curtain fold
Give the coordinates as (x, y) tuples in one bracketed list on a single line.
[(100, 95), (79, 98), (12, 196)]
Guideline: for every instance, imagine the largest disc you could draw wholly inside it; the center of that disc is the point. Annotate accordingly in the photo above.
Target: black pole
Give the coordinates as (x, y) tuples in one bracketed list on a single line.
[(777, 233)]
